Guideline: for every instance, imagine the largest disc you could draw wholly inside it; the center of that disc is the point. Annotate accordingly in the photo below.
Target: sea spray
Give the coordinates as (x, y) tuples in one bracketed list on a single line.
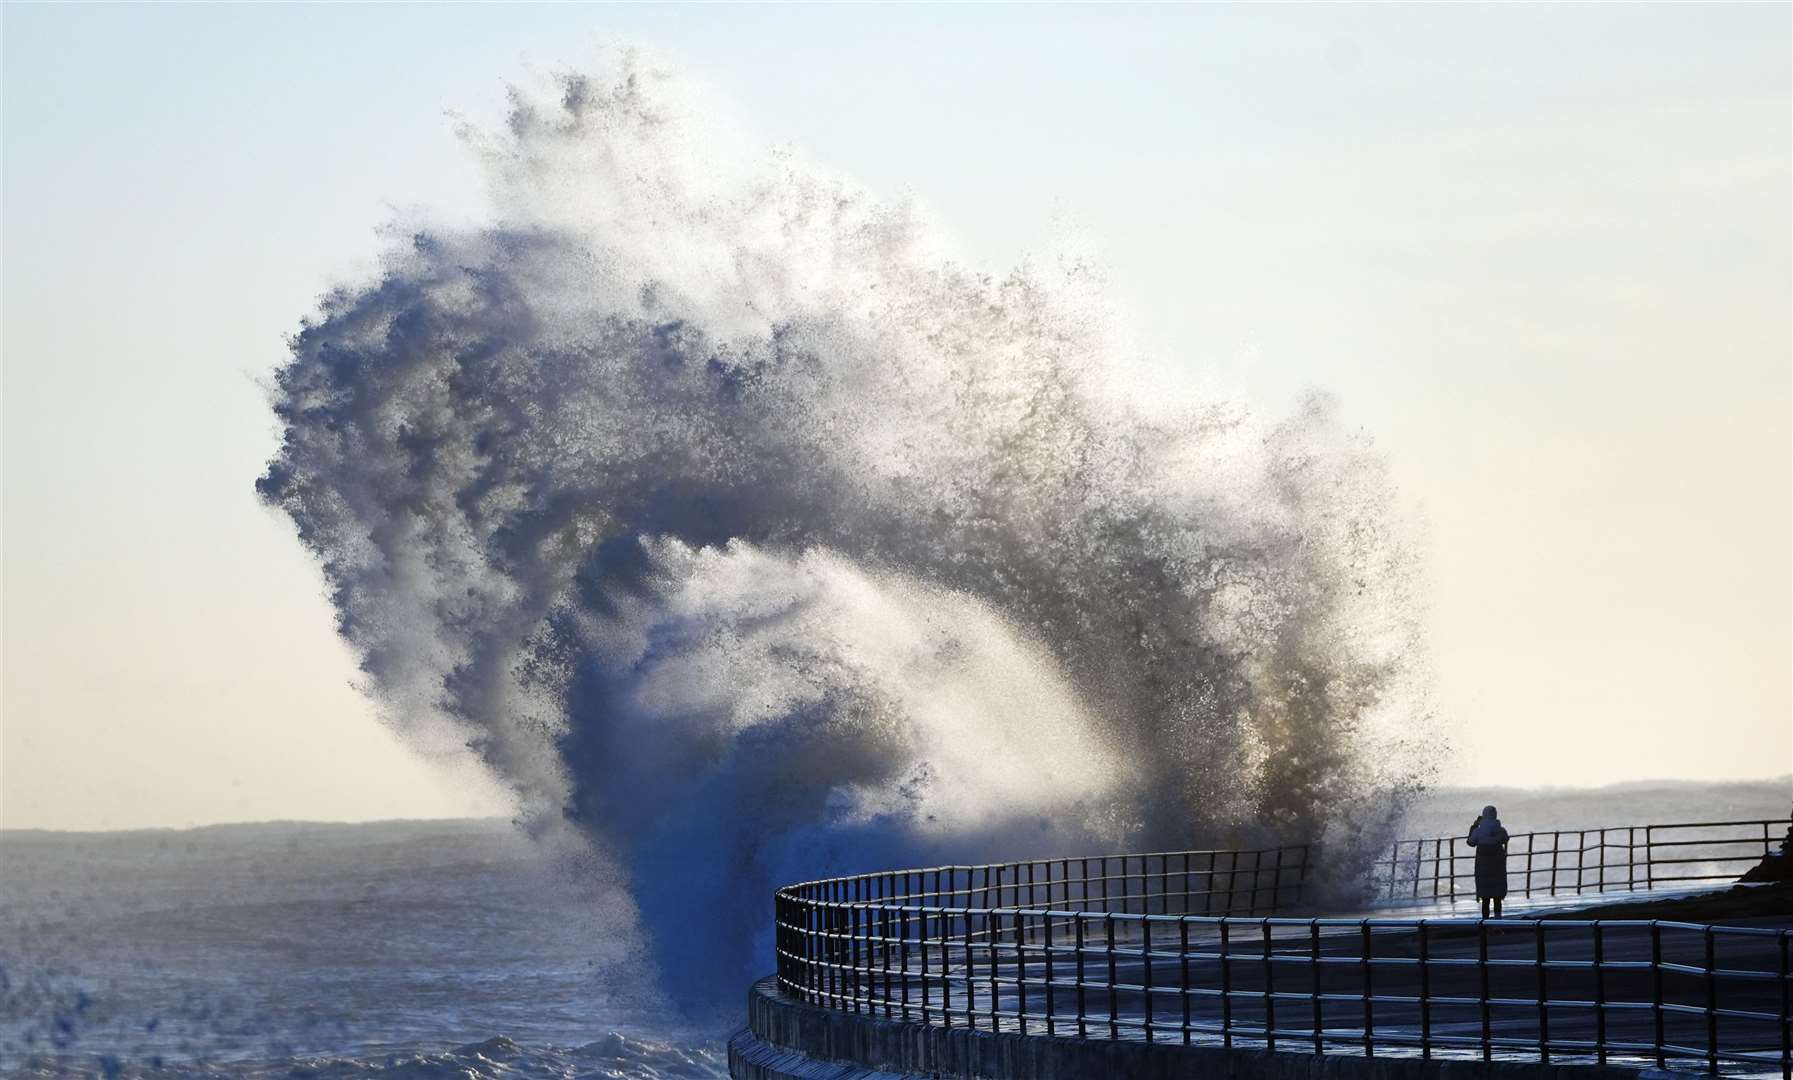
[(738, 529)]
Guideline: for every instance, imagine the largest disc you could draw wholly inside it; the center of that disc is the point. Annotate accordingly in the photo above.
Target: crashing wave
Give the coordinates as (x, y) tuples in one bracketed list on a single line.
[(734, 525)]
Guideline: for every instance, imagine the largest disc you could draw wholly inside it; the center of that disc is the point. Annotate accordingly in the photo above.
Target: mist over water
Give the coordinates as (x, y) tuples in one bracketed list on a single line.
[(749, 538)]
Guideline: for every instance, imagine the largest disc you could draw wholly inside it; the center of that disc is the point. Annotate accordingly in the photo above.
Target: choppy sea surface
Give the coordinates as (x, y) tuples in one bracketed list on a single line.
[(420, 949)]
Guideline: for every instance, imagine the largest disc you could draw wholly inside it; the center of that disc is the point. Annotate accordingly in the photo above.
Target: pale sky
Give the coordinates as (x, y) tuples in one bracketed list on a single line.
[(1542, 254)]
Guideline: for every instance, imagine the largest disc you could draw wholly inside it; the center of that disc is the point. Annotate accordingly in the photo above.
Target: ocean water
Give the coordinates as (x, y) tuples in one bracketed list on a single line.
[(420, 949), (452, 948)]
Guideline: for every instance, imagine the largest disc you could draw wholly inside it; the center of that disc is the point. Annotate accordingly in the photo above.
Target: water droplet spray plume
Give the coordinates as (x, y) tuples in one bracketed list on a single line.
[(747, 536)]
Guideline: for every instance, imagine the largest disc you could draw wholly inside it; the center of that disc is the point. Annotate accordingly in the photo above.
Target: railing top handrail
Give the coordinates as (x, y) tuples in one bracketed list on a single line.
[(868, 875), (1583, 830), (1303, 921)]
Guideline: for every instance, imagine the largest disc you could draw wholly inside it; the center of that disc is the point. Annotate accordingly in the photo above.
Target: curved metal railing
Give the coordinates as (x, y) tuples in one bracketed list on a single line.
[(1569, 862), (1189, 947)]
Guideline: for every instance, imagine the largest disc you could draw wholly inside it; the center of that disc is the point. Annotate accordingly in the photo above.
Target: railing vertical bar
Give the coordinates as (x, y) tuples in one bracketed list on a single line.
[(970, 965), (1711, 1002), (925, 988), (1425, 994), (1082, 1013), (993, 931), (1556, 858), (884, 955), (1145, 949), (1269, 991), (1656, 993), (1313, 934), (1437, 864), (1481, 927), (1531, 845), (1369, 985), (858, 948), (1183, 953), (1114, 1020), (1541, 948), (1023, 933), (1599, 992), (1226, 986), (1452, 897), (903, 951), (1786, 1007)]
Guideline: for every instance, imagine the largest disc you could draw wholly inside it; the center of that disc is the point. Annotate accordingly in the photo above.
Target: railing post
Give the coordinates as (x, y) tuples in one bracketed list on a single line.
[(1599, 993), (1481, 927), (1183, 947), (1543, 962), (854, 913), (1649, 857), (1786, 1009), (903, 921), (1077, 926), (1114, 1021), (1656, 993), (1226, 987), (1145, 931), (1021, 970), (923, 943), (1453, 895), (1313, 933), (1051, 993), (1556, 857), (1711, 1002), (946, 979), (1531, 847), (1269, 990), (993, 934), (1369, 987), (830, 947), (970, 967), (884, 953), (1425, 995), (1438, 863)]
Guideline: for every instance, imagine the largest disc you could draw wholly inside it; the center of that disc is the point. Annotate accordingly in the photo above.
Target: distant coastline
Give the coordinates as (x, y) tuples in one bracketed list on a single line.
[(1767, 795)]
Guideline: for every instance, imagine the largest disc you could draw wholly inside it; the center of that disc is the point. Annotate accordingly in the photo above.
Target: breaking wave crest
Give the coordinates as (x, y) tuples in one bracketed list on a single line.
[(744, 534)]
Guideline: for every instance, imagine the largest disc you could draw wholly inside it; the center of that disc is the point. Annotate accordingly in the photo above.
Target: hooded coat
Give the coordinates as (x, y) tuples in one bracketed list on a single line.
[(1489, 838)]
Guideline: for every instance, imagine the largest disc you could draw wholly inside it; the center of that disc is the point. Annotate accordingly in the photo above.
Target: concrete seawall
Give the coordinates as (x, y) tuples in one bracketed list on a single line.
[(787, 1039)]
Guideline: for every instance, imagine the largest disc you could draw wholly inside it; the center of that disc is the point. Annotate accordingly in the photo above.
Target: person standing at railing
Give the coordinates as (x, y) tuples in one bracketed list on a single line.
[(1489, 838)]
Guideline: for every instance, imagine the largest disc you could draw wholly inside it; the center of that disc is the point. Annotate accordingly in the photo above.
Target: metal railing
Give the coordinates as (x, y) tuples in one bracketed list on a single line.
[(1186, 947), (1568, 862)]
